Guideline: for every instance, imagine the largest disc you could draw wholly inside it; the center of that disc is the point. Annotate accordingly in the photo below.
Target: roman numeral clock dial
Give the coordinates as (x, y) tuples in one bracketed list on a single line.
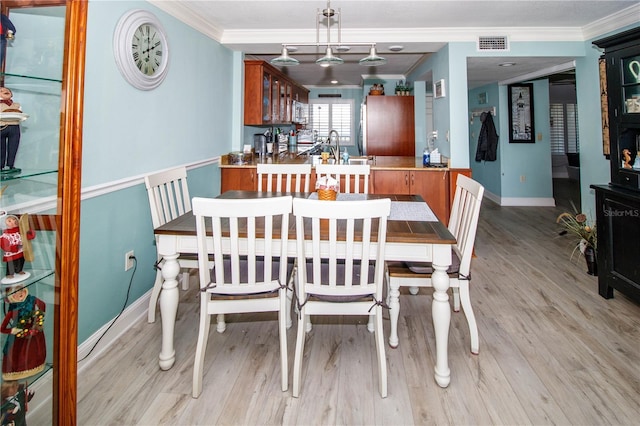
[(140, 49)]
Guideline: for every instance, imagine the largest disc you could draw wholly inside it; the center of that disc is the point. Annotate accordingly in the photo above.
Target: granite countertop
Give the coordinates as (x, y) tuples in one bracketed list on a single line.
[(376, 162)]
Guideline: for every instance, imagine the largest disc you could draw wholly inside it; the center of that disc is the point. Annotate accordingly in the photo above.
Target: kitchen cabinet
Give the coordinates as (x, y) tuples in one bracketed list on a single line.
[(48, 186), (238, 178), (432, 185), (269, 95), (618, 204), (390, 126)]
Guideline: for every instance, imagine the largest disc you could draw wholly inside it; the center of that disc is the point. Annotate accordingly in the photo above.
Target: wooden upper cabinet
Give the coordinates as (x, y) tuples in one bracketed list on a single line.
[(390, 126), (268, 94)]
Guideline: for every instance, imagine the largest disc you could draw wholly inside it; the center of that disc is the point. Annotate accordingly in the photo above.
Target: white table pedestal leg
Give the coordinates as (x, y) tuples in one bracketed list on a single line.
[(394, 313), (441, 313), (168, 309)]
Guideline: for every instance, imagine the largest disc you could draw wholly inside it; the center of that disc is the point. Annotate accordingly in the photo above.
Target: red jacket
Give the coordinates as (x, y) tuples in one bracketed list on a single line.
[(11, 243)]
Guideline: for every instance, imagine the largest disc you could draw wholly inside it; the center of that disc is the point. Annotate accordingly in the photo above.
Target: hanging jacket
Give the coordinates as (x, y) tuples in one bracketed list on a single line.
[(488, 139)]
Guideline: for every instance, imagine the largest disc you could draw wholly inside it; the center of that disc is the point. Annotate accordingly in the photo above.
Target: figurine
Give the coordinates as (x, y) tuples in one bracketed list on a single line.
[(626, 158), (9, 132), (7, 32), (13, 241), (25, 349), (15, 399)]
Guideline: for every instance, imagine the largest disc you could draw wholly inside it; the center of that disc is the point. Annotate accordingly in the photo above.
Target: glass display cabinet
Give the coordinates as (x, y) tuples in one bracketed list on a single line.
[(618, 204), (41, 91)]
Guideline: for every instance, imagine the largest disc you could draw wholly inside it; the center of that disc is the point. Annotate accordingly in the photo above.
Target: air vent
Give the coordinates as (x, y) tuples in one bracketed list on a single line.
[(493, 43), (329, 95)]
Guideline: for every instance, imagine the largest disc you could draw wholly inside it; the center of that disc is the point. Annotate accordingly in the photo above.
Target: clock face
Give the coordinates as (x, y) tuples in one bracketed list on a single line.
[(141, 50), (147, 49)]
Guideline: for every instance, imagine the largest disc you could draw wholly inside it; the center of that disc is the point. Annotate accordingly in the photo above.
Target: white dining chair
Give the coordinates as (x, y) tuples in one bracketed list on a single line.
[(353, 178), (340, 255), (250, 272), (287, 177), (463, 223), (168, 198)]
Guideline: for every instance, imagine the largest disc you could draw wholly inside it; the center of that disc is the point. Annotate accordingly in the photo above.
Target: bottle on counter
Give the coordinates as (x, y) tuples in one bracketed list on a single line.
[(426, 157), (345, 156)]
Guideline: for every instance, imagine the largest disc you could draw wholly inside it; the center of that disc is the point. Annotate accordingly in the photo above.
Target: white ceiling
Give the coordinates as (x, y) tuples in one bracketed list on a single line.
[(259, 28)]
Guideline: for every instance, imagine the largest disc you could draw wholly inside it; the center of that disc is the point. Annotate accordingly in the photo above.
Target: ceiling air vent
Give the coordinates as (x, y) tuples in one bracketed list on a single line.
[(493, 43)]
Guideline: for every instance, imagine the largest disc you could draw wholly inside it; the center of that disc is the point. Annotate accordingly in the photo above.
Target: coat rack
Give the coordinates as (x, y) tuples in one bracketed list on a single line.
[(477, 112)]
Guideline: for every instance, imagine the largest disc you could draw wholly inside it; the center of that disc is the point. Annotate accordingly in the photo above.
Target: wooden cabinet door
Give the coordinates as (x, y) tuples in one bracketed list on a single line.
[(433, 186), (391, 182), (241, 179), (390, 126), (452, 181)]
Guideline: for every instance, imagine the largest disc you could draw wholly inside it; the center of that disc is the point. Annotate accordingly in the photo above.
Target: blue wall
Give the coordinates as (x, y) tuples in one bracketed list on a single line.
[(187, 120), (196, 115)]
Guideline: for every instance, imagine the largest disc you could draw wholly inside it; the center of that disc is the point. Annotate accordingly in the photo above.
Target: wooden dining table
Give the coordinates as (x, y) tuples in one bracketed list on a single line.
[(413, 234)]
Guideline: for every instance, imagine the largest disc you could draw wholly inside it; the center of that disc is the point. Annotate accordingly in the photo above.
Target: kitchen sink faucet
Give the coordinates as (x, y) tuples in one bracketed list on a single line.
[(336, 153)]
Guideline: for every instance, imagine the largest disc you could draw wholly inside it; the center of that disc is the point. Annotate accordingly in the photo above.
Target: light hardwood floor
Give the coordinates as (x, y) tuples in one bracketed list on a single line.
[(552, 351)]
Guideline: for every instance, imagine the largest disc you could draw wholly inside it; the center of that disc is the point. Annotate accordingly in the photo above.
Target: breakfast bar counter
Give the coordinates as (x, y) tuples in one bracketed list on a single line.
[(375, 161), (389, 175)]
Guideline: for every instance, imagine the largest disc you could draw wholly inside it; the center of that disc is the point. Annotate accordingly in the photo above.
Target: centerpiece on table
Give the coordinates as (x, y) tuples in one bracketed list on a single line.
[(579, 226), (327, 188)]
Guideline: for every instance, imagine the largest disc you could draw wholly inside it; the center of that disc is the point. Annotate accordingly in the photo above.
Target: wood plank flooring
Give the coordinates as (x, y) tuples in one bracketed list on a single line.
[(552, 351)]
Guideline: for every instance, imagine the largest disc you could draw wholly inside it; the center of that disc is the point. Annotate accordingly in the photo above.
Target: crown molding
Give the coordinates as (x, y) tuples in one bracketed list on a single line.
[(188, 17), (611, 23)]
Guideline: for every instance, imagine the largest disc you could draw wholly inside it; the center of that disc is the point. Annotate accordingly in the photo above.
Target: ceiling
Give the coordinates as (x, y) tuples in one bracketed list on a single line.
[(260, 27)]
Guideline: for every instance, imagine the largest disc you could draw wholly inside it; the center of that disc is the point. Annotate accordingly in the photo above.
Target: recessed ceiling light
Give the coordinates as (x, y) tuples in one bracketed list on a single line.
[(334, 81), (506, 64), (396, 48)]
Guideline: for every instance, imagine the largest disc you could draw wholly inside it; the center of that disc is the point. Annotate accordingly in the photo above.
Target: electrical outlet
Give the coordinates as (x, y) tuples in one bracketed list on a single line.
[(128, 260), (523, 178)]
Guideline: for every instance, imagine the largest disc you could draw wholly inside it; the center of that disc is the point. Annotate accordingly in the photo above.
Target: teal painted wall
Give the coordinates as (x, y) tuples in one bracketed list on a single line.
[(196, 113), (487, 172), (531, 160), (128, 133)]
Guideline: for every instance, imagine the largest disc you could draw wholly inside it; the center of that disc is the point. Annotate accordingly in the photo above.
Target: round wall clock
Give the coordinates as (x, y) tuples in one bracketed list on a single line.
[(140, 49)]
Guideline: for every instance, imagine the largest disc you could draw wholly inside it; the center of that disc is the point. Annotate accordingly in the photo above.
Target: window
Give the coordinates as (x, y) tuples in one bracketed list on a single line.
[(335, 115), (564, 128)]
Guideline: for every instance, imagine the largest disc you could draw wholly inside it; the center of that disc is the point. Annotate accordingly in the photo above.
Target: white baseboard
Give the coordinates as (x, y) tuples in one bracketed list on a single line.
[(43, 387), (520, 201)]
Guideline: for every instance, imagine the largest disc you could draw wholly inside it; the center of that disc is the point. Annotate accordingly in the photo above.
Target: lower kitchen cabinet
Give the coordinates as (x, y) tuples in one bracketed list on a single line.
[(436, 186), (432, 185), (240, 179)]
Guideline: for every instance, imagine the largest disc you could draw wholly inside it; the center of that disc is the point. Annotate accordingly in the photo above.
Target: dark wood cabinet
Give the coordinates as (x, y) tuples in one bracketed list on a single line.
[(269, 95), (390, 126), (618, 204)]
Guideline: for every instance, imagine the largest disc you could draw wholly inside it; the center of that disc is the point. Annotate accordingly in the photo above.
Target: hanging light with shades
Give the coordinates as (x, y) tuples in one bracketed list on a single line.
[(329, 58)]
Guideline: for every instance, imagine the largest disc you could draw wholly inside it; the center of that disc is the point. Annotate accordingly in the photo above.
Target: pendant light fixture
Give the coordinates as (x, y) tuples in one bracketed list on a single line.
[(373, 60), (284, 59), (329, 58)]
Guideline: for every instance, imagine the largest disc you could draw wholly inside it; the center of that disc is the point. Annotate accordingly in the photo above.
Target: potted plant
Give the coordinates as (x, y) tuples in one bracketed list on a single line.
[(579, 226), (403, 88)]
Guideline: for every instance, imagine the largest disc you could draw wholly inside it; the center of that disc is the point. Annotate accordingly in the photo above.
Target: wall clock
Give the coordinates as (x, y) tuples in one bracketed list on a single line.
[(141, 50)]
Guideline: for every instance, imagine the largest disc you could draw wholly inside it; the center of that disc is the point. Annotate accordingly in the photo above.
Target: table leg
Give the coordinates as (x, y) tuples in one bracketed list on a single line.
[(394, 312), (441, 313), (169, 308)]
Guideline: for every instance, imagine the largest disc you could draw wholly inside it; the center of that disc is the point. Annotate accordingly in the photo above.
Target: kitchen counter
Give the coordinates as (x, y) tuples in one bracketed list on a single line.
[(389, 175), (376, 162)]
